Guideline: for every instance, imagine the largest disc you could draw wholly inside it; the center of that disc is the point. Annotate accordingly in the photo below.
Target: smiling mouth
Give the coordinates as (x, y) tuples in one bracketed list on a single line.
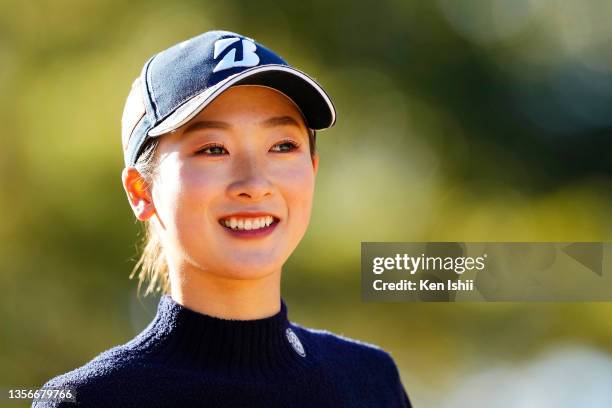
[(248, 223)]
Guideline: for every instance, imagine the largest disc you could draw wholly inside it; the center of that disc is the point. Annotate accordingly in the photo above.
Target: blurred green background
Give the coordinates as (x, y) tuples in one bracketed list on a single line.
[(457, 120)]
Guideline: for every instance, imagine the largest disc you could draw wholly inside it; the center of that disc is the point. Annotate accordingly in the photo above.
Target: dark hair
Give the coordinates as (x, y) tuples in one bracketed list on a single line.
[(152, 266)]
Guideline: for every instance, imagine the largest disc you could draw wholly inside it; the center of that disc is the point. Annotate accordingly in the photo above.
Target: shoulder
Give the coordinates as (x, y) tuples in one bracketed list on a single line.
[(338, 347), (94, 381), (351, 360)]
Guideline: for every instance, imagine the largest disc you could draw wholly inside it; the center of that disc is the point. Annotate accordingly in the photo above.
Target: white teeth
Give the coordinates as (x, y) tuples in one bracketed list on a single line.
[(248, 223)]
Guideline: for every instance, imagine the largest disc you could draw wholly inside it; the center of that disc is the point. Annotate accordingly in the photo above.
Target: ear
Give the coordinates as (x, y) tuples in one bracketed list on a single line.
[(315, 163), (138, 193)]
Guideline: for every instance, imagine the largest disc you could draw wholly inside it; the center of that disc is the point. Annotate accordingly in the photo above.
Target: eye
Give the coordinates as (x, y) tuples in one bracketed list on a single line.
[(213, 150), (285, 146)]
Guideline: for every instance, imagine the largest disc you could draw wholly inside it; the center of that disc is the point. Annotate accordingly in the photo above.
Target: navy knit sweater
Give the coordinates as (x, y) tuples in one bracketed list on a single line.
[(184, 358)]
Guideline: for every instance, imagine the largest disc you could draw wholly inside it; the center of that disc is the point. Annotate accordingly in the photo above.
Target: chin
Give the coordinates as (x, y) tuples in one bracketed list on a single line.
[(249, 266)]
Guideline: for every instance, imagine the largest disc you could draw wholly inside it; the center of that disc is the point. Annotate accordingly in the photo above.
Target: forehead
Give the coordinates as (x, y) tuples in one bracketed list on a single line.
[(254, 99), (245, 105)]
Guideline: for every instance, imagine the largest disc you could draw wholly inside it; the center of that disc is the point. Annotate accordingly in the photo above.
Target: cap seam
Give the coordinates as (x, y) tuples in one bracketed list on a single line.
[(137, 147), (132, 133), (149, 87)]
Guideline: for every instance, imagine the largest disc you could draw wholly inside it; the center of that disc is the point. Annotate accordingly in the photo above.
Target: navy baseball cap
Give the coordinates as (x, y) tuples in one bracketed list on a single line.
[(177, 83)]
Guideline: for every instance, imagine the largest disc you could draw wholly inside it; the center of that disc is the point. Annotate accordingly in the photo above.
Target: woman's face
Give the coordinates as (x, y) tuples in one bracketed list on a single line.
[(241, 163)]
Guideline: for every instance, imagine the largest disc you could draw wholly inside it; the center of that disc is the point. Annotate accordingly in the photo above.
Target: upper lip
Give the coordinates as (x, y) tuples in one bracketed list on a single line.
[(249, 214)]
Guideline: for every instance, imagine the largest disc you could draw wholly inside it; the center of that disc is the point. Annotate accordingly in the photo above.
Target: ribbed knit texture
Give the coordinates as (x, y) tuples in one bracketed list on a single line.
[(184, 358)]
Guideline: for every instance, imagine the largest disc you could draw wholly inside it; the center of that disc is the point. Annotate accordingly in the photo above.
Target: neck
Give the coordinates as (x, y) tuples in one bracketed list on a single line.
[(226, 297), (241, 349)]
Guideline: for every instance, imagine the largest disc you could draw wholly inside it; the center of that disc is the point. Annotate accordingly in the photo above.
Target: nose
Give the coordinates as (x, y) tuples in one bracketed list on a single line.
[(250, 181)]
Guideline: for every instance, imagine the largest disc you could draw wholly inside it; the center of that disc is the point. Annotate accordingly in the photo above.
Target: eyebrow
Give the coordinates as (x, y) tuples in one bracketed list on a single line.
[(280, 121), (215, 124)]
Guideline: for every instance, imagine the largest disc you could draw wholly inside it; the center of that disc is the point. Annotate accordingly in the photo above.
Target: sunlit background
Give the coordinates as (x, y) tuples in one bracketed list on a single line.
[(457, 120)]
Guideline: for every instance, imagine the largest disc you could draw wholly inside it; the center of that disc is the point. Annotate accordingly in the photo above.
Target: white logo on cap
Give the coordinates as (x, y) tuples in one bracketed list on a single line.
[(249, 58), (295, 342)]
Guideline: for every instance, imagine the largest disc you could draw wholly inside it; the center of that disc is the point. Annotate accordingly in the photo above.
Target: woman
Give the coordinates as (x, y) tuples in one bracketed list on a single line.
[(219, 146)]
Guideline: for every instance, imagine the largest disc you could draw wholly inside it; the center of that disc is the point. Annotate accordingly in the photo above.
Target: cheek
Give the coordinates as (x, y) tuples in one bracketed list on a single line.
[(197, 191), (298, 189), (184, 198)]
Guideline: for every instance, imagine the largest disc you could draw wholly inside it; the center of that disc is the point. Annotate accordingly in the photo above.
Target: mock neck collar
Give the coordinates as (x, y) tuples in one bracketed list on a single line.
[(185, 338)]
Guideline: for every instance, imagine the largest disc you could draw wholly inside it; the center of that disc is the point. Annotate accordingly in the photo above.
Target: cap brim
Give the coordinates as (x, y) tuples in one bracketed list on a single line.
[(311, 99)]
